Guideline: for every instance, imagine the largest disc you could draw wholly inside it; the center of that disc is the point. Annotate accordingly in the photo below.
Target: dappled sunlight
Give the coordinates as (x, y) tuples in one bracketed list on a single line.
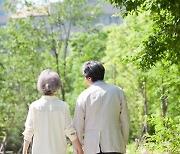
[(139, 50)]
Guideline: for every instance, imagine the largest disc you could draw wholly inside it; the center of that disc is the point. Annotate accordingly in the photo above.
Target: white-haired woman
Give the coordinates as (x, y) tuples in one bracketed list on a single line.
[(48, 120)]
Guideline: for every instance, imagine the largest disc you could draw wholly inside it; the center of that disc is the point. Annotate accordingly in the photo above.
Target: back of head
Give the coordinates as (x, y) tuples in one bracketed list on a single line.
[(93, 69), (48, 82)]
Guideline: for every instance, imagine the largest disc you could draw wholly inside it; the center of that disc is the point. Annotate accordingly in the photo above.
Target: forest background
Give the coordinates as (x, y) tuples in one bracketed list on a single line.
[(141, 55)]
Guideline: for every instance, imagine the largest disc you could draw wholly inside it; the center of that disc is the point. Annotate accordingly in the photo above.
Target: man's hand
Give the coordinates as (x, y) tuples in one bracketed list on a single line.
[(78, 147), (80, 151), (25, 146)]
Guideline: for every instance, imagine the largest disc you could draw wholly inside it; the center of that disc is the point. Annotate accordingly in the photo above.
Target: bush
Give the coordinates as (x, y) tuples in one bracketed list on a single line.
[(166, 137)]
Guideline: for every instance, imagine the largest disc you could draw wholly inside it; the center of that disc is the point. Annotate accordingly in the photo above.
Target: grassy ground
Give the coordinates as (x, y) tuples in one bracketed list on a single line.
[(70, 149), (131, 149)]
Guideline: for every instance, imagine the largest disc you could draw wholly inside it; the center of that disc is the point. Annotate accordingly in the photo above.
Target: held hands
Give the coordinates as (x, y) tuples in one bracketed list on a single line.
[(77, 146), (80, 151)]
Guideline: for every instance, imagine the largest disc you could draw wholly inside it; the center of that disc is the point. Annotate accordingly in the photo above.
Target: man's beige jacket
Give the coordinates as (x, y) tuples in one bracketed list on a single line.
[(101, 119)]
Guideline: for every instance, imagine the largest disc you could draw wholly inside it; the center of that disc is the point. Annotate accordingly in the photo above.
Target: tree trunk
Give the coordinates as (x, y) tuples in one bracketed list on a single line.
[(114, 73), (145, 106), (67, 33), (144, 128), (164, 101), (4, 143), (57, 69)]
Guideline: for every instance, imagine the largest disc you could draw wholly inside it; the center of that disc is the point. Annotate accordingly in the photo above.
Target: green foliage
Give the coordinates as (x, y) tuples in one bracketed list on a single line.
[(166, 137), (158, 57), (164, 82), (122, 44), (161, 43), (130, 5), (28, 46), (84, 46), (21, 65)]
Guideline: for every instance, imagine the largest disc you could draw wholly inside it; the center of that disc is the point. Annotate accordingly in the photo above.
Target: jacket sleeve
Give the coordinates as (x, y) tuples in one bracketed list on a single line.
[(29, 128), (79, 119), (124, 118), (69, 129)]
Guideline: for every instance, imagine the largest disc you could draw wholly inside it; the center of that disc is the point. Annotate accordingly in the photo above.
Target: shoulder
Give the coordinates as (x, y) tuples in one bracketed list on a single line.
[(83, 94), (64, 104), (41, 102), (59, 103), (119, 89), (115, 87), (34, 104)]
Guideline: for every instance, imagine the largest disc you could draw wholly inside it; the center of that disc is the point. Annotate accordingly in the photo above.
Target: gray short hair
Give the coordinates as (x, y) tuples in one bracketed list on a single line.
[(48, 82)]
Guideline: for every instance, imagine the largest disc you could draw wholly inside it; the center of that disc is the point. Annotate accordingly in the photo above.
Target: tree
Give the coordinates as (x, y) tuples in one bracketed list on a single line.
[(122, 44), (28, 46), (160, 44), (158, 58), (62, 19), (84, 46), (21, 64), (68, 17), (155, 89)]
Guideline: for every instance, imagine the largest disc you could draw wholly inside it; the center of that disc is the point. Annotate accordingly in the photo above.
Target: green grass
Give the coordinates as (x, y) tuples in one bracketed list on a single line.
[(70, 149), (131, 149)]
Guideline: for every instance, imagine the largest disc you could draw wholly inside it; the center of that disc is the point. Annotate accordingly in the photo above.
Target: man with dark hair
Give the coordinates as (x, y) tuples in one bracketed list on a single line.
[(101, 115), (93, 69)]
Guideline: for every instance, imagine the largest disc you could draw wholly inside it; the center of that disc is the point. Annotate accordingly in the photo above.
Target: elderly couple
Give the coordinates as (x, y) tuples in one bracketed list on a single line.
[(101, 119)]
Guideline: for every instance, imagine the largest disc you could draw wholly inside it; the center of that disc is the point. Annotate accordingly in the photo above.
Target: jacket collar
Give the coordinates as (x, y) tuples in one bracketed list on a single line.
[(98, 82), (47, 97)]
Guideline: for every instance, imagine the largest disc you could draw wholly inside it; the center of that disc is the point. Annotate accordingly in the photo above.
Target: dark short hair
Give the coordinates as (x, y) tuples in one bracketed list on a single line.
[(93, 69)]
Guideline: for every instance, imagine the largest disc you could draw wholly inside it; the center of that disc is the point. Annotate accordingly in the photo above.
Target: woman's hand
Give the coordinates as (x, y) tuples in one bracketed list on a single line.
[(80, 151), (78, 147)]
